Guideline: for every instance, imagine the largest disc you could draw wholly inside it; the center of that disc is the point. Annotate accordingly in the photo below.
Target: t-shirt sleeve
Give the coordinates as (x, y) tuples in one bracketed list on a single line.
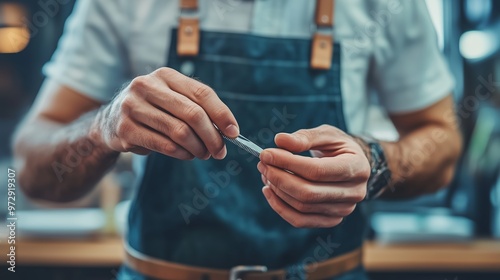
[(409, 71), (90, 57)]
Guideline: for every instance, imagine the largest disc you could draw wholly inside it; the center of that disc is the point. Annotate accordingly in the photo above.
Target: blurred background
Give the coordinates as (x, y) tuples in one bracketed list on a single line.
[(454, 234)]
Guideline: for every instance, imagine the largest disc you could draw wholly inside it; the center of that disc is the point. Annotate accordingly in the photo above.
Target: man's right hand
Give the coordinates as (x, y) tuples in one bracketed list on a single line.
[(169, 113)]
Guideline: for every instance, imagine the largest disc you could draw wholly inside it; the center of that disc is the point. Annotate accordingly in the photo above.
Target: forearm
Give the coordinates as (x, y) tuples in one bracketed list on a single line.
[(422, 161), (60, 162)]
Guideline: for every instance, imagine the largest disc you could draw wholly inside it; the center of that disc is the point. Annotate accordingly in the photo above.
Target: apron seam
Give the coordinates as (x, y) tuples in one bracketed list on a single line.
[(276, 98)]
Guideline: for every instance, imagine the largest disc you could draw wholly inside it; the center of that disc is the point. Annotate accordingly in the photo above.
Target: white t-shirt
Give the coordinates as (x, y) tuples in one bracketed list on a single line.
[(387, 45)]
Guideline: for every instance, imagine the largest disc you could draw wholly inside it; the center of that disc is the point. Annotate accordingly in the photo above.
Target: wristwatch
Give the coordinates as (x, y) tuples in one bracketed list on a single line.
[(380, 176)]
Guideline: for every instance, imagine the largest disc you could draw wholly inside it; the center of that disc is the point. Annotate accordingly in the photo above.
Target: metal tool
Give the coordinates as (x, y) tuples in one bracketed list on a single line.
[(247, 145), (243, 142)]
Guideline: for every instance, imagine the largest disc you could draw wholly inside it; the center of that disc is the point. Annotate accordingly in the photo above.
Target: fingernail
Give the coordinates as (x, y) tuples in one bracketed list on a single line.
[(265, 192), (207, 156), (232, 130), (268, 183), (261, 167), (221, 154), (278, 135)]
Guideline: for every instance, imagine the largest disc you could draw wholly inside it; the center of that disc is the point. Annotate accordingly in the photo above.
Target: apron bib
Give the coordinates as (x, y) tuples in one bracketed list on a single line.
[(213, 213)]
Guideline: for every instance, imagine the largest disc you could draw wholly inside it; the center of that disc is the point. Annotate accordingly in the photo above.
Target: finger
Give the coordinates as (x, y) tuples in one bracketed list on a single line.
[(173, 128), (326, 209), (158, 94), (264, 179), (204, 96), (328, 169), (304, 191), (331, 209), (295, 218), (140, 136), (191, 113), (307, 139), (140, 151)]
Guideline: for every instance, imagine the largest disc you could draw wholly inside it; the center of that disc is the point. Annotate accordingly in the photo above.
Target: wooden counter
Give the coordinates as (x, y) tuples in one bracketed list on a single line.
[(100, 251), (479, 255)]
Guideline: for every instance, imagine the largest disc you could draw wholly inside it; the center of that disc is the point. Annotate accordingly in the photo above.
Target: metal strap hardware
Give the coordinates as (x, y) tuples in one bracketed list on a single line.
[(238, 271)]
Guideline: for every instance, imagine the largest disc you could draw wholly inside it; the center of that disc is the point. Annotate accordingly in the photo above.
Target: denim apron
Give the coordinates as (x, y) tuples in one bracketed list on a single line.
[(213, 213)]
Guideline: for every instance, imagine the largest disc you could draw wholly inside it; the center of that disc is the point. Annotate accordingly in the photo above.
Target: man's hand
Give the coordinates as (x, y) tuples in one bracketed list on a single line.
[(169, 113), (323, 189)]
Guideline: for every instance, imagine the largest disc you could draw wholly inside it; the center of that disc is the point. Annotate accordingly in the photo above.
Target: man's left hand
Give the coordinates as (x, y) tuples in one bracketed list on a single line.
[(314, 191)]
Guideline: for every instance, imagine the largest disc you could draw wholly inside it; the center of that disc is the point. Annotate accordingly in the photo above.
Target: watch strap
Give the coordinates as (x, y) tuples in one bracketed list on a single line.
[(380, 175)]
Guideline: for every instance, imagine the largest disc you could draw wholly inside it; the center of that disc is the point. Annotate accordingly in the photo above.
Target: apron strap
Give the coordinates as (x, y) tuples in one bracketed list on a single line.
[(188, 33), (324, 13), (322, 42), (189, 4)]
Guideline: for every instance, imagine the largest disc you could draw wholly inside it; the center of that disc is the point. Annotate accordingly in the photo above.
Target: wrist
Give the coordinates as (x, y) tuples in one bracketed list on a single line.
[(364, 147), (97, 132)]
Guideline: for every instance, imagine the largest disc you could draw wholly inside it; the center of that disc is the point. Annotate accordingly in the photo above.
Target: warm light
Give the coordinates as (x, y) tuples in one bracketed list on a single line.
[(477, 44), (13, 39), (12, 14), (14, 35)]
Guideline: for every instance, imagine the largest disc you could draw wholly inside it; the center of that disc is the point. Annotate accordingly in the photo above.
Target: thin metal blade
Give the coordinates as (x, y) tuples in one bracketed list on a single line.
[(247, 145), (243, 142)]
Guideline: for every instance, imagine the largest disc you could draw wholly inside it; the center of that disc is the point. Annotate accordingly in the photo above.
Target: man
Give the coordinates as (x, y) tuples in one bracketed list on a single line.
[(255, 67)]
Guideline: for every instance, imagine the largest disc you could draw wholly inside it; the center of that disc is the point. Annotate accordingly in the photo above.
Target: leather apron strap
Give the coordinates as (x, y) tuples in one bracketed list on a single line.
[(188, 33), (322, 43)]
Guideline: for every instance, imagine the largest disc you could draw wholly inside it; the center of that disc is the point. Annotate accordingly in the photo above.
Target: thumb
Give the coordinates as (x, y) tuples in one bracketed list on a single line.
[(291, 142), (309, 139)]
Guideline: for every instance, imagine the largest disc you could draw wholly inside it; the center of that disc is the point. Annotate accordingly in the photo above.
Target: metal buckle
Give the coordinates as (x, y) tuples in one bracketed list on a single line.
[(237, 271)]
